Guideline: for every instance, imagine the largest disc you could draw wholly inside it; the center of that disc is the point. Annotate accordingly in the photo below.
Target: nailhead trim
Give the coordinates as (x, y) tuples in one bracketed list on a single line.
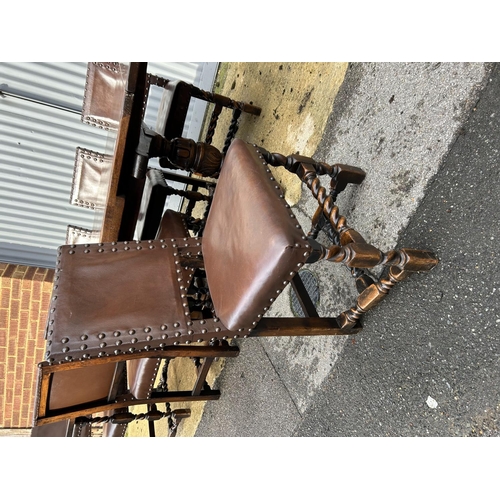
[(90, 120), (155, 333), (292, 216)]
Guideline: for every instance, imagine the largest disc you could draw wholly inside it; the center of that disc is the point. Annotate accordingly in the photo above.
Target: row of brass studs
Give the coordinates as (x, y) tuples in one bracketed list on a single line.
[(102, 335), (299, 265)]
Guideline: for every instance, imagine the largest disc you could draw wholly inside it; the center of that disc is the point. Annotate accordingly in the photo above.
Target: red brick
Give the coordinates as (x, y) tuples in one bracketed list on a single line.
[(15, 308), (30, 273), (19, 382), (44, 306), (39, 275), (24, 320), (3, 337), (21, 355), (36, 293), (4, 318), (16, 418), (5, 297), (35, 308), (3, 267), (15, 287), (19, 273), (26, 413), (50, 275), (35, 331), (11, 269), (22, 337), (11, 364), (25, 299)]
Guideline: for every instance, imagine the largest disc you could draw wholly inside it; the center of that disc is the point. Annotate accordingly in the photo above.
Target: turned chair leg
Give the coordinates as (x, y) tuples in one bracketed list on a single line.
[(349, 247)]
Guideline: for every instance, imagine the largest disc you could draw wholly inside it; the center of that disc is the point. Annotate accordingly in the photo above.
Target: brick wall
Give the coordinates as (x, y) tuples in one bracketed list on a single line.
[(24, 301)]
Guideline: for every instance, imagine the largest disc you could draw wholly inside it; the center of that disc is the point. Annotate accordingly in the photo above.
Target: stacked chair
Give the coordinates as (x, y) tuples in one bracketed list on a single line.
[(119, 304)]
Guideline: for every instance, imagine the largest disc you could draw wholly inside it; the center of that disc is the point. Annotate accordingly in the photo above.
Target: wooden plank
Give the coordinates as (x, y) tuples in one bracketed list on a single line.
[(99, 406), (308, 308), (202, 375), (298, 327), (194, 351)]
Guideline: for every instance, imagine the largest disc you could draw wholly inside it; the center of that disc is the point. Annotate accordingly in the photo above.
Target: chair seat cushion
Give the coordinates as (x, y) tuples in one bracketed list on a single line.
[(252, 243)]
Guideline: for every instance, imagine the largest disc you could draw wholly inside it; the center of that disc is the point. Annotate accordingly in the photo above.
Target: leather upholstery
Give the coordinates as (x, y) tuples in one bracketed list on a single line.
[(88, 170), (104, 94), (73, 387), (106, 295), (172, 226), (60, 429), (252, 243)]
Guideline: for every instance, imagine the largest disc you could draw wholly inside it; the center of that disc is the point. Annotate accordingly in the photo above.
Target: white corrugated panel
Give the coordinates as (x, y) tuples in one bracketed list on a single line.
[(40, 128)]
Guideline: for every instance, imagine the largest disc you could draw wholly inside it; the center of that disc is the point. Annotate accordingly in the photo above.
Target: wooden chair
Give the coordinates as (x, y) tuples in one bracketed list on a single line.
[(154, 197), (105, 82), (135, 300)]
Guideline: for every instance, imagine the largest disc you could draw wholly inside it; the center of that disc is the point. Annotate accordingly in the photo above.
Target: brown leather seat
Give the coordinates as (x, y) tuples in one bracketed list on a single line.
[(252, 243)]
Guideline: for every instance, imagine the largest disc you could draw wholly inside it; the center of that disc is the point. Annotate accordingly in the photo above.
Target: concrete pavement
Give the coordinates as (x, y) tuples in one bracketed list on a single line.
[(427, 361)]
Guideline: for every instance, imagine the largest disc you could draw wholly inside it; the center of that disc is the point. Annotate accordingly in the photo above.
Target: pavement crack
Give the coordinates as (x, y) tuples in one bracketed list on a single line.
[(282, 381)]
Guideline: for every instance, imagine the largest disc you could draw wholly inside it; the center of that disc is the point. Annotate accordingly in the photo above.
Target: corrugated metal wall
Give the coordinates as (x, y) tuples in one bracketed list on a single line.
[(40, 129)]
